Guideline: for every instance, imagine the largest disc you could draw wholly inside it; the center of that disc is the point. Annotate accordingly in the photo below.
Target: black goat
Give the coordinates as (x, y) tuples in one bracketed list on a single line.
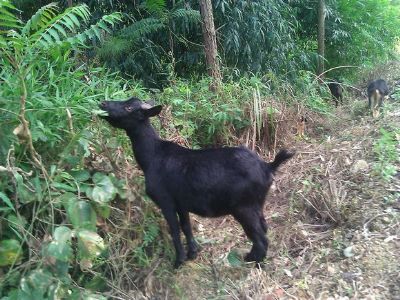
[(377, 90), (337, 92), (208, 182)]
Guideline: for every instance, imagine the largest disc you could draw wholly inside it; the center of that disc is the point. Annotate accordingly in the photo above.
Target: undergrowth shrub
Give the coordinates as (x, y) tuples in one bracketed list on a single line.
[(385, 149), (51, 205), (205, 117)]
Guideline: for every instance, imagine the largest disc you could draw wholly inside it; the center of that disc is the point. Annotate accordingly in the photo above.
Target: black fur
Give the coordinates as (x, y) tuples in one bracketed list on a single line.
[(382, 88), (210, 182), (336, 91)]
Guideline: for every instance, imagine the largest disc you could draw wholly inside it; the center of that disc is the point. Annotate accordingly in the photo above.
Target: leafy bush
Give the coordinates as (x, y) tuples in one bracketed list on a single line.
[(373, 30), (49, 204), (205, 117)]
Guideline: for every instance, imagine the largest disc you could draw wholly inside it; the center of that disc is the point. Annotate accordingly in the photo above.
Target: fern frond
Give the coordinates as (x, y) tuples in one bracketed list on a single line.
[(114, 48), (155, 6), (7, 17), (105, 23), (42, 17), (52, 30), (143, 27), (186, 17), (190, 15)]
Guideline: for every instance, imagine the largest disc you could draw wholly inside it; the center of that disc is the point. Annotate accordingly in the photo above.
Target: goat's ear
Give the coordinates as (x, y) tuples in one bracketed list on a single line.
[(153, 111), (151, 102)]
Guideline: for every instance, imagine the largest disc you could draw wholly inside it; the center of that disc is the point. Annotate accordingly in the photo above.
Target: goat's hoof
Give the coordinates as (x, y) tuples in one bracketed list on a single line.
[(192, 254), (178, 263), (193, 251), (251, 257)]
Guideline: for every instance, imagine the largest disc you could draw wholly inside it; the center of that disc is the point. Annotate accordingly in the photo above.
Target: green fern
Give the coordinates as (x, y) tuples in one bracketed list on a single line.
[(143, 27), (50, 30), (190, 15), (95, 30), (155, 6), (47, 27), (39, 20), (7, 18)]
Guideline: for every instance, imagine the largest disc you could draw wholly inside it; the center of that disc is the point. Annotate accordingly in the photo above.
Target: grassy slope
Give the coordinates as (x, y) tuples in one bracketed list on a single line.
[(320, 206)]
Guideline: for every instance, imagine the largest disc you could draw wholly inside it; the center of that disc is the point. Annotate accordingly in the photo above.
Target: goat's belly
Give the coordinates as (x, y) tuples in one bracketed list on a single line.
[(208, 207), (206, 212)]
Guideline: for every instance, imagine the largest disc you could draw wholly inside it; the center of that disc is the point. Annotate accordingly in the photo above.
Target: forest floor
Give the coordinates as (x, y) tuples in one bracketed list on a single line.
[(333, 215)]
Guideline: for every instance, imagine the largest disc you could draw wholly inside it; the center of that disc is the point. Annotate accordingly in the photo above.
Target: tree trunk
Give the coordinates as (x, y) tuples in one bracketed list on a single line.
[(210, 43), (69, 3), (321, 36)]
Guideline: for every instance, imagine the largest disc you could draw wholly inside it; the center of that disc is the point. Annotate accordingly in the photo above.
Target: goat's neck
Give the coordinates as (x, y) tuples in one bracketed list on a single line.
[(145, 141)]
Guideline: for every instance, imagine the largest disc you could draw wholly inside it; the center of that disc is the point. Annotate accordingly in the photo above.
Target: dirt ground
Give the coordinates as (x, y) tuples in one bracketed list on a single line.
[(334, 222)]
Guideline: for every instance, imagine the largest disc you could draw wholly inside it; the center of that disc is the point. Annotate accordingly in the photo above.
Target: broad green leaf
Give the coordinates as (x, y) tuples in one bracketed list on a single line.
[(36, 285), (67, 199), (81, 215), (104, 189), (90, 244), (80, 175), (60, 247), (10, 252)]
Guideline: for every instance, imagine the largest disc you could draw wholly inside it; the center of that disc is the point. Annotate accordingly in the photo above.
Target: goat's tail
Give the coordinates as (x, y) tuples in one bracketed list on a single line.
[(282, 156)]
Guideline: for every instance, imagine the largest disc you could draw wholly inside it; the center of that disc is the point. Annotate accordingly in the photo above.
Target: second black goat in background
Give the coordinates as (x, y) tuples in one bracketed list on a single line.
[(337, 92), (377, 90), (210, 182)]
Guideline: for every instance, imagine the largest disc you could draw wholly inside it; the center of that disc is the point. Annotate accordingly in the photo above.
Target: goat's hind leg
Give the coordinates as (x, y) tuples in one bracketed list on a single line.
[(254, 229), (186, 227)]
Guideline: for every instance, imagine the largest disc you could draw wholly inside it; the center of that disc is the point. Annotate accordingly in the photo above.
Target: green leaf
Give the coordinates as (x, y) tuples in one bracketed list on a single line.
[(80, 175), (54, 34), (104, 189), (63, 186), (97, 283), (36, 285), (6, 200), (60, 247), (103, 210), (60, 29), (90, 244), (81, 215), (100, 112), (16, 224), (234, 258), (10, 252), (24, 194)]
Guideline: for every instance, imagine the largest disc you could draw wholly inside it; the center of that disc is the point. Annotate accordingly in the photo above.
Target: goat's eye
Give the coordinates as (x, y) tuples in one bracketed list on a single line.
[(129, 108)]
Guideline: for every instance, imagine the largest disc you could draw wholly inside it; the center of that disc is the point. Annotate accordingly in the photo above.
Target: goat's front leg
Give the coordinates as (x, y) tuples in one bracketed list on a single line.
[(193, 248), (172, 220)]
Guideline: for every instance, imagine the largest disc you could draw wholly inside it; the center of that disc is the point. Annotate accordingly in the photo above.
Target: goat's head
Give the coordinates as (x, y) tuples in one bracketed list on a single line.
[(129, 113)]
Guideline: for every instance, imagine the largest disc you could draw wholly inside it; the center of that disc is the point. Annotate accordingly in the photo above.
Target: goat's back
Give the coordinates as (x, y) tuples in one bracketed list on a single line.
[(379, 85), (210, 182)]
